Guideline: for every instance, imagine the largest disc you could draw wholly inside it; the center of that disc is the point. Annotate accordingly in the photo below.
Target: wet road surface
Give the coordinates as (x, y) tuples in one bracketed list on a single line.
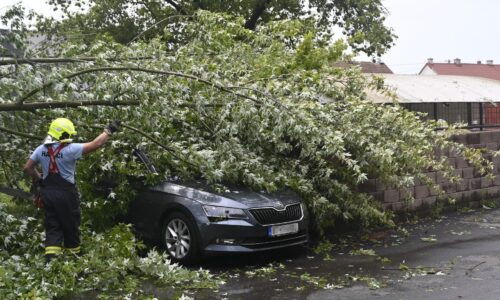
[(454, 257)]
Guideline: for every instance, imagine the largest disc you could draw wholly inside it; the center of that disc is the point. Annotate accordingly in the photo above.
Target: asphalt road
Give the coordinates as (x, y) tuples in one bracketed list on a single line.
[(454, 257)]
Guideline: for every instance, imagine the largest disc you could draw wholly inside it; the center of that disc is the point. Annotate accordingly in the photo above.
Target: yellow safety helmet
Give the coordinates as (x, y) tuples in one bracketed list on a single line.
[(62, 130)]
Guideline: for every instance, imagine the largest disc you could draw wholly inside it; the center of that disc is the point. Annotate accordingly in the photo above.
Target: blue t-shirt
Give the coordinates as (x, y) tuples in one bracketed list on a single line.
[(65, 160)]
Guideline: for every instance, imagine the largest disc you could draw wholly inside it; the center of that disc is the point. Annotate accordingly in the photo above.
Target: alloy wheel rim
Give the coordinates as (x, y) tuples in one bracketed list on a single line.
[(177, 238)]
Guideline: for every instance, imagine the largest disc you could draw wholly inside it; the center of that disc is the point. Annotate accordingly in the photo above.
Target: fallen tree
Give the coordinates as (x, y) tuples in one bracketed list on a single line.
[(261, 108)]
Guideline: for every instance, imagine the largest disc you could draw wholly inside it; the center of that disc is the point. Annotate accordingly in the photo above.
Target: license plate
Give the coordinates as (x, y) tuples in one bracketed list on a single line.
[(278, 230)]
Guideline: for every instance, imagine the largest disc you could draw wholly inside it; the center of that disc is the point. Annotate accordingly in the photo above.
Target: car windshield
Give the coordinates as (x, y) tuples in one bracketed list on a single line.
[(197, 183)]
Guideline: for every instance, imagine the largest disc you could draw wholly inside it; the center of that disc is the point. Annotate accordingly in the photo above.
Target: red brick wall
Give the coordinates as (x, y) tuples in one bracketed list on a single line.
[(473, 187)]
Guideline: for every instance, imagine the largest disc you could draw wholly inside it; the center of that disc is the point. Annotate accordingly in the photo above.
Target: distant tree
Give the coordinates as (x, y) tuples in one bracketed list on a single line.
[(361, 21)]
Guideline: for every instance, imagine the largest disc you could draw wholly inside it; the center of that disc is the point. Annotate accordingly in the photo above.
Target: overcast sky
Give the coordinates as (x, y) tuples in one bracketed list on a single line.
[(441, 29)]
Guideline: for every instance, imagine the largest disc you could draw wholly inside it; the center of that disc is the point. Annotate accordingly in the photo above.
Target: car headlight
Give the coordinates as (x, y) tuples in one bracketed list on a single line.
[(223, 213)]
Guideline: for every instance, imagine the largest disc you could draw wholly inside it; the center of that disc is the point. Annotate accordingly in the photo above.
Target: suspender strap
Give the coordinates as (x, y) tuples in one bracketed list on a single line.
[(53, 154)]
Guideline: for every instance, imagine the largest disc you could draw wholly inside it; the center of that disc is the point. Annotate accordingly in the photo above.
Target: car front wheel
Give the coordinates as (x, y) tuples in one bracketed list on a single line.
[(179, 238)]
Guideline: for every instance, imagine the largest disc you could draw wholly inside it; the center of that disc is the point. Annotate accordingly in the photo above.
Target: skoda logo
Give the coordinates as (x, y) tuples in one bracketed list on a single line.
[(280, 205)]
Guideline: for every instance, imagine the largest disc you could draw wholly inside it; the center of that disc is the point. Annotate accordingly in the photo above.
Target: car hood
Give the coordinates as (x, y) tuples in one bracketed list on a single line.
[(235, 196)]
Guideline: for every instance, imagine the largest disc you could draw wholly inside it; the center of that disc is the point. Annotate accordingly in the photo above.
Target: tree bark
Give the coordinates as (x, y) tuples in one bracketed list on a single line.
[(50, 60), (257, 12), (177, 6), (22, 134), (199, 4), (63, 104)]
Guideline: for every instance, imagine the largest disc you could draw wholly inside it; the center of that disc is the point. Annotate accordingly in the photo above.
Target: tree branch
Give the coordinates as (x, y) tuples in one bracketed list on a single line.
[(137, 69), (64, 104), (154, 25), (22, 134), (53, 60), (176, 6), (257, 12), (199, 5), (149, 137), (249, 89), (17, 193)]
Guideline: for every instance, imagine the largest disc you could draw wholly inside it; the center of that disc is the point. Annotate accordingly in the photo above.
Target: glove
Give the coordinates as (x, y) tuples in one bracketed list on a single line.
[(114, 126)]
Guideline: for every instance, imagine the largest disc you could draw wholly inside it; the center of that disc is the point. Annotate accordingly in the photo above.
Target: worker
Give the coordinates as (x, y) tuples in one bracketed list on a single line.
[(57, 156)]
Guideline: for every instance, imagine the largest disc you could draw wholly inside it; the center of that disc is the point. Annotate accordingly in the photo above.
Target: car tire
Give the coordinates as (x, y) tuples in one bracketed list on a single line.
[(180, 238)]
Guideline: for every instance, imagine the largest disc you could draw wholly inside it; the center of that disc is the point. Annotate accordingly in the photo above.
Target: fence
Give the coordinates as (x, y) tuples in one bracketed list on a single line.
[(476, 115)]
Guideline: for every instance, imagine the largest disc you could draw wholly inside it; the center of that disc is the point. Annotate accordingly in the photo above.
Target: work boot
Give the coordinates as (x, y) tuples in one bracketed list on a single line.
[(51, 252)]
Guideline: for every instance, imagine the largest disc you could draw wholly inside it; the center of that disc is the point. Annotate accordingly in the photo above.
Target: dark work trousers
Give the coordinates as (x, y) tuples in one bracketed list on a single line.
[(62, 214)]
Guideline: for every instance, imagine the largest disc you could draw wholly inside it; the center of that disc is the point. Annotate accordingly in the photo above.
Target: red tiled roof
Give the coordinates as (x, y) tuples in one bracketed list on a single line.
[(476, 70), (366, 66)]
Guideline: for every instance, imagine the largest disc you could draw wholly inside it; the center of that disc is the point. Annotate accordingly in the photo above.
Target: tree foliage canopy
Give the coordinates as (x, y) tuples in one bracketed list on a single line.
[(264, 108), (230, 105)]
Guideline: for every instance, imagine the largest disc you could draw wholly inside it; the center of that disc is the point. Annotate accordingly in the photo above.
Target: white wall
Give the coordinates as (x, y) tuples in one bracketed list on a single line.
[(427, 71)]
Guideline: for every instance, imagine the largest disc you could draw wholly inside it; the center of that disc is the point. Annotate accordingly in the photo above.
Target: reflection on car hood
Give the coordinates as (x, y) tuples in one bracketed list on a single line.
[(235, 197)]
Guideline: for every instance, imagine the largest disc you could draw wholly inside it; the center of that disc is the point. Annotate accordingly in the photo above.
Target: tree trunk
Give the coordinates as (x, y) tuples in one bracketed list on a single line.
[(257, 12)]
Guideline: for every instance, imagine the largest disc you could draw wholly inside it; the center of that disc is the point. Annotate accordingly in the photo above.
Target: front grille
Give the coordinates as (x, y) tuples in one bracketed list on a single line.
[(266, 216), (273, 242)]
